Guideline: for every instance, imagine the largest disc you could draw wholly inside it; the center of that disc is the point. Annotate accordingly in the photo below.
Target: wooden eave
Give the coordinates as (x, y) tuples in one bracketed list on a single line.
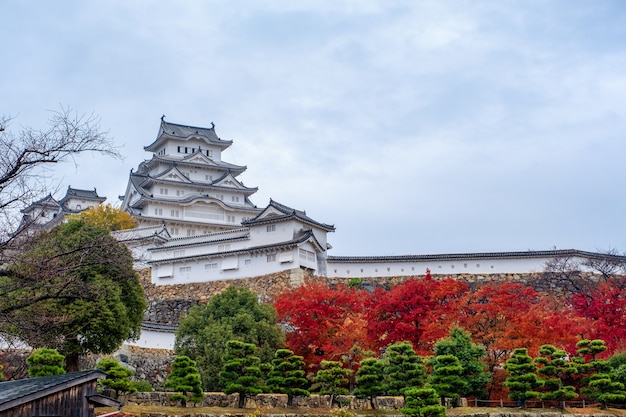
[(34, 388)]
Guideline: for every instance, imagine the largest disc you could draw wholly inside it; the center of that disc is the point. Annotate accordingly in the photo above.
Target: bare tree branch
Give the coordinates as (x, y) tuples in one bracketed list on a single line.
[(26, 156)]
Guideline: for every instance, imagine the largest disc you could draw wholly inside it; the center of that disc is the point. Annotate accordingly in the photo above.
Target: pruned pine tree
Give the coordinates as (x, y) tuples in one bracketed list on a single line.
[(553, 367), (118, 376), (45, 362), (470, 355), (422, 402), (288, 375), (522, 382), (604, 390), (447, 378), (242, 371), (370, 380), (404, 369), (184, 379), (331, 379)]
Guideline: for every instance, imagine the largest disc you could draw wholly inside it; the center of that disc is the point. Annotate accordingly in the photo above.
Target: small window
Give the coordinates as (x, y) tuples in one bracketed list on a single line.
[(224, 247), (179, 149), (271, 258), (185, 269), (247, 262), (210, 266), (270, 228)]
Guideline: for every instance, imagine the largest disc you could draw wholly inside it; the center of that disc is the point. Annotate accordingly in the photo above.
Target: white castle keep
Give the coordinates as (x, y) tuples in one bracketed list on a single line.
[(196, 223)]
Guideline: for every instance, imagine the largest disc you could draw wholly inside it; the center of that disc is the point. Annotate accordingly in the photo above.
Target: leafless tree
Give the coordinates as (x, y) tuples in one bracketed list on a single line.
[(27, 155), (573, 274)]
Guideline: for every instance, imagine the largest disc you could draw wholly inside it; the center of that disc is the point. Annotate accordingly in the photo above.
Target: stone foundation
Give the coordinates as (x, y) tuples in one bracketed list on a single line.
[(265, 401), (167, 304)]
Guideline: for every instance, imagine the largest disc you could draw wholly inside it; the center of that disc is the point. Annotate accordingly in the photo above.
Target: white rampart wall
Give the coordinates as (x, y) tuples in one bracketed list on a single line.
[(469, 265)]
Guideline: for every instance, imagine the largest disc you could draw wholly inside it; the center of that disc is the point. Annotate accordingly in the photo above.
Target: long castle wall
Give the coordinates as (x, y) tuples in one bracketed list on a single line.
[(168, 304)]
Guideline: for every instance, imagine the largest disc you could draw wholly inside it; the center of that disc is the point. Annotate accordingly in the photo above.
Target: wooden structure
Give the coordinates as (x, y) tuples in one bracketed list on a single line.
[(69, 395)]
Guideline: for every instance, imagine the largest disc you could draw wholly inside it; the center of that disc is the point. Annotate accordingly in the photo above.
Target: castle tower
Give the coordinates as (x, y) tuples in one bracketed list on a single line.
[(187, 186)]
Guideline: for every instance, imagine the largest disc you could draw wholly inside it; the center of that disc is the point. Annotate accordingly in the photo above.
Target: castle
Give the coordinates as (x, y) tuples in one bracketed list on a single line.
[(197, 224)]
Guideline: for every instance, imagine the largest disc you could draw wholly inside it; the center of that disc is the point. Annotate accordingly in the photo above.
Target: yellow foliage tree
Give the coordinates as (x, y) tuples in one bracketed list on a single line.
[(107, 216)]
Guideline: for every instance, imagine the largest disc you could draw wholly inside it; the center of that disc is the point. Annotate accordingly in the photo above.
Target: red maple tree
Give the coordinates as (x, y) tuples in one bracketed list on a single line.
[(324, 323)]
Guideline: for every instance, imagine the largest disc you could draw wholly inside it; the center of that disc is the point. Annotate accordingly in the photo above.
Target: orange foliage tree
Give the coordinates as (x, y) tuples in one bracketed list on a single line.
[(324, 323), (505, 316), (420, 311)]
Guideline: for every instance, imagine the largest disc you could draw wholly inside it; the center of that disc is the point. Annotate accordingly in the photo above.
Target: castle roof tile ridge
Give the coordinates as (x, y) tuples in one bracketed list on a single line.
[(252, 249), (474, 255)]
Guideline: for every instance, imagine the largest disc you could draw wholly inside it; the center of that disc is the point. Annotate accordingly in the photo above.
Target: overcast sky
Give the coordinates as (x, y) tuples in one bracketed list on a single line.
[(415, 127)]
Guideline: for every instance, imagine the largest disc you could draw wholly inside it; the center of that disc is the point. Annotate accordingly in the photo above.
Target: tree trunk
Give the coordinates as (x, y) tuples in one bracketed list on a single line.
[(71, 362)]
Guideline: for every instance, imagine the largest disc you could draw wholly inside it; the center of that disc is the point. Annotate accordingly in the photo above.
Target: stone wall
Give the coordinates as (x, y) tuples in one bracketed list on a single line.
[(168, 303), (264, 401)]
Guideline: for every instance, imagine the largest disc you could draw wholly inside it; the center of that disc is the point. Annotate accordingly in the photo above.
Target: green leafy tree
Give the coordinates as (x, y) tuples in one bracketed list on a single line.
[(142, 386), (242, 371), (118, 377), (45, 362), (447, 378), (288, 375), (73, 289), (604, 390), (370, 380), (554, 367), (1, 374), (618, 368), (184, 379), (422, 402), (235, 314), (522, 381), (617, 360), (474, 373), (331, 379), (403, 369)]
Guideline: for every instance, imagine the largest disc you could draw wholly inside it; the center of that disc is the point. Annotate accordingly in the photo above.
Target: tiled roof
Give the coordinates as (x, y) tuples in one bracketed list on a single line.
[(13, 393), (475, 256), (184, 132), (223, 165), (288, 213), (45, 201), (85, 194), (263, 248)]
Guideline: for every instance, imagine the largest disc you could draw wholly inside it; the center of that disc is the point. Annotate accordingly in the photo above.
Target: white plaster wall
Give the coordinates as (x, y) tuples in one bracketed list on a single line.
[(196, 270), (152, 339), (457, 266)]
